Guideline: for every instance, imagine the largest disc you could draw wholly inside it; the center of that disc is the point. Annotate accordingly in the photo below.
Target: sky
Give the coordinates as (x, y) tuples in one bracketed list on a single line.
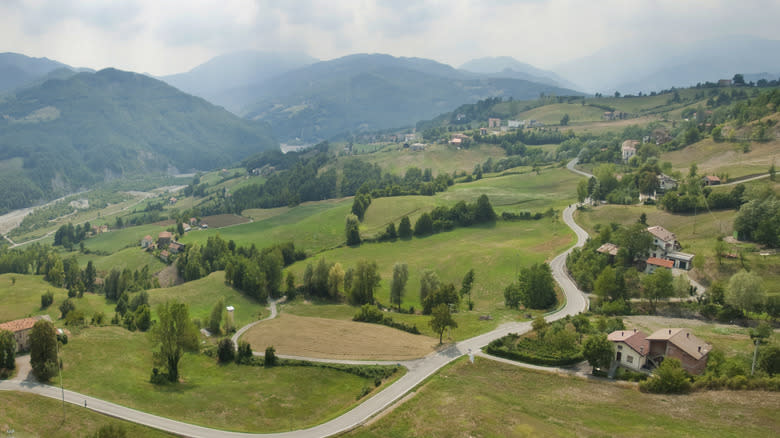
[(171, 36)]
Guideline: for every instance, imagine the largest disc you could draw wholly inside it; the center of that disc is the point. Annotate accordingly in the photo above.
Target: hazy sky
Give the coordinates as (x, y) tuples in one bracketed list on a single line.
[(170, 36)]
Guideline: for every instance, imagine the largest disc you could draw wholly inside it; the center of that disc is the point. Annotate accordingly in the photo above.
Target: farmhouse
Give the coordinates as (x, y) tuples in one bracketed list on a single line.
[(494, 123), (21, 329), (175, 247), (164, 238), (681, 344), (628, 149), (146, 242), (667, 248), (164, 255), (711, 180), (653, 263), (631, 348)]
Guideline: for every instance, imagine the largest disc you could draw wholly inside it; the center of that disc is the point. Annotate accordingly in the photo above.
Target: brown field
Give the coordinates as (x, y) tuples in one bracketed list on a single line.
[(334, 339)]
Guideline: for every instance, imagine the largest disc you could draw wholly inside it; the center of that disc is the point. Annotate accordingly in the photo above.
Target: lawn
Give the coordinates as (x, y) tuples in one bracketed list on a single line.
[(333, 339), (552, 114), (133, 258), (114, 364), (115, 240), (724, 158), (489, 398), (201, 295), (23, 298), (31, 415), (439, 158)]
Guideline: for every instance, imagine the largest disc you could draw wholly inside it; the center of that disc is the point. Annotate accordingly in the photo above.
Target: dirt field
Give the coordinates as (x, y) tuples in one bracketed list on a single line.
[(333, 339)]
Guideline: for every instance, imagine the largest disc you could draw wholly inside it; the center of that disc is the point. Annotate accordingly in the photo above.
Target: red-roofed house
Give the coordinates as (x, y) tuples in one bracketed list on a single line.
[(631, 348), (681, 344), (667, 248), (147, 241), (164, 238), (21, 329), (711, 180), (654, 263), (164, 255)]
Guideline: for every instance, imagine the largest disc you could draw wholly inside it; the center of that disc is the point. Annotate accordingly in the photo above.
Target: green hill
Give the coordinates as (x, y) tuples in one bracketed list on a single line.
[(92, 127)]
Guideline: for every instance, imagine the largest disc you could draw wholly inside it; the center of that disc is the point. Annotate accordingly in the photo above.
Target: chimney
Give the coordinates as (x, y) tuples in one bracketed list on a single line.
[(699, 348), (634, 330), (687, 335), (621, 333), (670, 331)]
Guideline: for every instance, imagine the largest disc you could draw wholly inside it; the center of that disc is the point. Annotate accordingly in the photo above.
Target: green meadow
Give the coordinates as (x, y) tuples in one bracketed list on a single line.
[(114, 364)]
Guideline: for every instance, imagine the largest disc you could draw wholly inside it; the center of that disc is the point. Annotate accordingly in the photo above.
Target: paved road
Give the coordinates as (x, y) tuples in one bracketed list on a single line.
[(766, 175), (418, 370)]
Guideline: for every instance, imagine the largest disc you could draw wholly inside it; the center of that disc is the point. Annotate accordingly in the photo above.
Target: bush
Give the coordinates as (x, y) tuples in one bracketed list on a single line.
[(669, 378), (111, 431), (269, 359), (226, 351), (158, 378), (244, 353), (372, 314), (47, 299), (532, 351)]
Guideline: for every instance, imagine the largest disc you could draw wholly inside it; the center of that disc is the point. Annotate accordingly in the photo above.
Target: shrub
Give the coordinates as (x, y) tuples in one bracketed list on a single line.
[(669, 378), (111, 431), (66, 307), (226, 351), (98, 318), (532, 351), (269, 359), (47, 299), (372, 314), (244, 353), (158, 378)]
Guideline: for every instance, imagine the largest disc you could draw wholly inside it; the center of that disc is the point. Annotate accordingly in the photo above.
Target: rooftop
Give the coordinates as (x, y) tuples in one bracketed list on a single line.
[(655, 261), (662, 233), (633, 338), (684, 340), (22, 324), (608, 248)]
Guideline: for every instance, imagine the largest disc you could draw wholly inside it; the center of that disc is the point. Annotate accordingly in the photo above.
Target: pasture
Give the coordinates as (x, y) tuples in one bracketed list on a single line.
[(490, 398), (114, 364)]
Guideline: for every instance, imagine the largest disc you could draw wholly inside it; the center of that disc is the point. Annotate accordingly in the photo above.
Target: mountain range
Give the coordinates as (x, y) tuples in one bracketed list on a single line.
[(64, 134)]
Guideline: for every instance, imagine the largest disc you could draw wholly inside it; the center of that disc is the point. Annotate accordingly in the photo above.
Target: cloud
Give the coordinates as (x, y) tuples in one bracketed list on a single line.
[(175, 35)]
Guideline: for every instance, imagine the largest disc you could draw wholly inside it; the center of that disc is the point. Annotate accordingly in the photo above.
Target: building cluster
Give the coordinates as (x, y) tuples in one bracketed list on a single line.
[(165, 240), (665, 252)]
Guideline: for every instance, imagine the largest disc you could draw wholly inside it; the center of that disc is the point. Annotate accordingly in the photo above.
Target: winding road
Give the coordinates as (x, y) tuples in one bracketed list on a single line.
[(418, 370)]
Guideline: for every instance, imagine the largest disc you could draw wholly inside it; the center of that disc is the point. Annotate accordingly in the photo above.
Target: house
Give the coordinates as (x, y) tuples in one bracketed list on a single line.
[(628, 149), (631, 348), (204, 225), (147, 241), (193, 221), (164, 238), (514, 124), (186, 227), (494, 123), (666, 182), (456, 141), (99, 229), (667, 248), (610, 249), (724, 83), (679, 343), (711, 180), (164, 255), (21, 329), (653, 263), (172, 200), (417, 147), (175, 247), (482, 131), (409, 138)]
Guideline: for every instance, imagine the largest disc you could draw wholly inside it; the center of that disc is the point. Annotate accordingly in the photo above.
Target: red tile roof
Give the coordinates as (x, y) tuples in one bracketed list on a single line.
[(655, 261), (164, 235), (684, 340), (662, 233), (633, 338), (19, 324)]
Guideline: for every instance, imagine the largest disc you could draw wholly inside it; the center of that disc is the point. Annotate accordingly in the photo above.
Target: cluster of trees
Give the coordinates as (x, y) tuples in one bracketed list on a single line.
[(330, 281), (515, 141), (759, 220), (68, 235), (535, 288)]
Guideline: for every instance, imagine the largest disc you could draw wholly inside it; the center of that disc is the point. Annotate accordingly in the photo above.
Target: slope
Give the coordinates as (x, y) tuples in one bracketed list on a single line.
[(100, 126)]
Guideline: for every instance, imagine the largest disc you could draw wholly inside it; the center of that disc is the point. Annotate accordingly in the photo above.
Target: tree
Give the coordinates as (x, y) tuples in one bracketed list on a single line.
[(398, 283), (429, 282), (290, 289), (772, 172), (335, 281), (636, 241), (444, 294), (424, 225), (441, 319), (7, 350), (745, 291), (89, 276), (226, 350), (215, 318), (466, 285), (597, 350), (352, 230), (565, 119), (66, 307), (46, 299), (405, 228), (390, 233), (512, 296), (738, 79), (484, 210), (537, 289), (269, 358), (364, 282), (173, 334), (582, 190), (43, 350), (657, 285), (605, 285)]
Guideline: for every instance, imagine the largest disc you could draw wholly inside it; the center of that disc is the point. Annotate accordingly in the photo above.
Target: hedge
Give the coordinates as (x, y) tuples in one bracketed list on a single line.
[(531, 351)]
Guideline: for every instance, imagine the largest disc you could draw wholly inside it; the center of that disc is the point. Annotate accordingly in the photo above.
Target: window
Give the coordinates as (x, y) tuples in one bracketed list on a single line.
[(630, 359)]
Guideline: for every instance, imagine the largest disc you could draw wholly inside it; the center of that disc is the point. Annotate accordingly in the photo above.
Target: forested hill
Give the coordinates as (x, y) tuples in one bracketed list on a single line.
[(62, 135), (371, 92)]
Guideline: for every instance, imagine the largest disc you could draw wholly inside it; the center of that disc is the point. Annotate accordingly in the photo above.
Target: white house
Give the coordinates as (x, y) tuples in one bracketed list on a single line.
[(631, 348), (628, 149), (666, 248)]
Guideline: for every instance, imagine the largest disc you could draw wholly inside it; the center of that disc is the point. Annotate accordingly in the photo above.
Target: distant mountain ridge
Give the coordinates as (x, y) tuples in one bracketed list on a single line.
[(366, 92), (17, 70), (64, 134), (508, 67)]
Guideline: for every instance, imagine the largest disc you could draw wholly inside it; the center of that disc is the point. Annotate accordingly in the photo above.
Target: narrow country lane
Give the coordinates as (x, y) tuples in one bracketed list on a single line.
[(418, 370)]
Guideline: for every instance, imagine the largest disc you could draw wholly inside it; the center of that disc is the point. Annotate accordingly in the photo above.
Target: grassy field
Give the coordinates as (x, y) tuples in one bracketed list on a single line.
[(114, 364), (332, 339), (312, 226), (439, 158), (29, 415), (724, 158), (115, 240), (201, 295), (23, 298), (552, 114), (488, 398), (697, 235), (133, 258)]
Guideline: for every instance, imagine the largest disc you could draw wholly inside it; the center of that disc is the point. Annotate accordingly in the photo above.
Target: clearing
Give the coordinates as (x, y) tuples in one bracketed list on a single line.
[(335, 339)]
